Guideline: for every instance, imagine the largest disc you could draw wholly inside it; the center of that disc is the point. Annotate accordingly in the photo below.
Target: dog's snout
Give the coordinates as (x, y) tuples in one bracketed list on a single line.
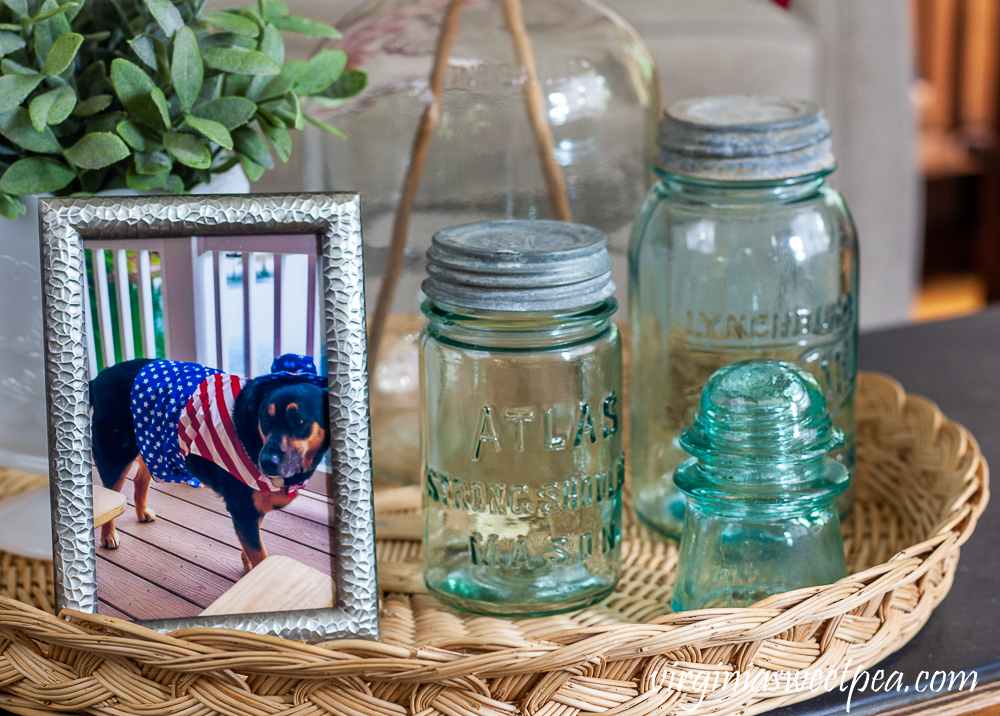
[(269, 463)]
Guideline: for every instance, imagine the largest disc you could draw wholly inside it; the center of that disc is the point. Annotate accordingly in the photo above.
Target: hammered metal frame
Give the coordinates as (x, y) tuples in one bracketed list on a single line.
[(336, 220)]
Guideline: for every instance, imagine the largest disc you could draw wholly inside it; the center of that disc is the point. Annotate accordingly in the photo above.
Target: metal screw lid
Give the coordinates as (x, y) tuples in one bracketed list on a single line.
[(744, 138), (519, 266)]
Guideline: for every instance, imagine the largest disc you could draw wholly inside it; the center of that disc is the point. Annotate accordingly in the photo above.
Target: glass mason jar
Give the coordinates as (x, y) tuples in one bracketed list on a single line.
[(521, 441), (599, 99), (761, 493), (741, 250)]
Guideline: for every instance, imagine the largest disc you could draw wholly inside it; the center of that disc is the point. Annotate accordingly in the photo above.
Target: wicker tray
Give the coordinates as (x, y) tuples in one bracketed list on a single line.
[(922, 484)]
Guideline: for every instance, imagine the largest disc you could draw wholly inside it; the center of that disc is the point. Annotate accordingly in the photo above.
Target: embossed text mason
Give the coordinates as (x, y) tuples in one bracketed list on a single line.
[(521, 431)]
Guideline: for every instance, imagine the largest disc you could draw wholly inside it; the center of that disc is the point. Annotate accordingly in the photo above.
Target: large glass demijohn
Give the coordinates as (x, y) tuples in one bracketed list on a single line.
[(486, 110)]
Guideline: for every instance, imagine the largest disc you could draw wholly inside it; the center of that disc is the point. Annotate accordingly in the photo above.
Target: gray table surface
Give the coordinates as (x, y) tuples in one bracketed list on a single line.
[(955, 363)]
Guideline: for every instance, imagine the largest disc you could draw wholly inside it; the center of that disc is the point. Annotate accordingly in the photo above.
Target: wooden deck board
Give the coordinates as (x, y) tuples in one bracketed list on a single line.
[(189, 556), (138, 598), (109, 611), (167, 570), (284, 523), (219, 528)]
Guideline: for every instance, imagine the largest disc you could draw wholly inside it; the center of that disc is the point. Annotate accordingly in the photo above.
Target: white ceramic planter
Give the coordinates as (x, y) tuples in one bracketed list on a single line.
[(23, 433)]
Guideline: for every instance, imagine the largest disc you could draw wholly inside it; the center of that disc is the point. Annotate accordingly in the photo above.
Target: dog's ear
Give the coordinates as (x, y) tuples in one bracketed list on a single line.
[(245, 413)]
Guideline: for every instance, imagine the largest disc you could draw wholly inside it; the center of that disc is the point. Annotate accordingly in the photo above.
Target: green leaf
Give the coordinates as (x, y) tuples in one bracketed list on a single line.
[(154, 105), (142, 46), (290, 73), (20, 7), (17, 127), (10, 42), (167, 16), (325, 127), (247, 142), (53, 107), (93, 105), (129, 81), (93, 80), (211, 89), (223, 163), (63, 52), (296, 114), (92, 181), (63, 106), (215, 131), (105, 122), (230, 22), (236, 85), (272, 45), (153, 54), (11, 207), (97, 150), (227, 39), (36, 175), (13, 68), (174, 185), (144, 182), (323, 69), (140, 138), (239, 60), (152, 163), (279, 137), (305, 26), (14, 89), (253, 170), (44, 33), (39, 109), (350, 83), (188, 149), (274, 8), (230, 112), (139, 94), (47, 14), (186, 68)]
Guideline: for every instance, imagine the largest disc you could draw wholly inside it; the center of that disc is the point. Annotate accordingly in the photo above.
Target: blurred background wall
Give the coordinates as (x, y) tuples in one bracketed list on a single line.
[(910, 88)]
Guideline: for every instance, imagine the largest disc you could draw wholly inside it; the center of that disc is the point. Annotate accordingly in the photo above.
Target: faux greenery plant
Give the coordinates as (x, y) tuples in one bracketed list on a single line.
[(152, 94)]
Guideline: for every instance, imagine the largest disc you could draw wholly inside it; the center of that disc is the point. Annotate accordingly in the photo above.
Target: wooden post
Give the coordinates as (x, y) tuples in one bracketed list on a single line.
[(418, 157), (534, 103)]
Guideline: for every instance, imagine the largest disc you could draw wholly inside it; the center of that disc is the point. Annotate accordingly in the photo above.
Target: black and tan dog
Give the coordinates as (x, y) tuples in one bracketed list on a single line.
[(253, 442)]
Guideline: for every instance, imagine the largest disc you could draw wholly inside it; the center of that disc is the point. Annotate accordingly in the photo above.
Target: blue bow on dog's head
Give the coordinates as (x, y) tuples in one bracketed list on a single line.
[(292, 365)]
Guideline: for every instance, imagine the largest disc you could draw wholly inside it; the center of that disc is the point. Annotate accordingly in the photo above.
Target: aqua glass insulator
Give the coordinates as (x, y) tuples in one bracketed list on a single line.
[(761, 492)]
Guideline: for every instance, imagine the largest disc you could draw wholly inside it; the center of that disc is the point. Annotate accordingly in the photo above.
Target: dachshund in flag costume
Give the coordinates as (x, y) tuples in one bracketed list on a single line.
[(255, 442)]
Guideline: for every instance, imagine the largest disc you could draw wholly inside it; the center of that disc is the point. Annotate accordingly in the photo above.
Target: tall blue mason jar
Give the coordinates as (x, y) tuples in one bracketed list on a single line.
[(741, 250)]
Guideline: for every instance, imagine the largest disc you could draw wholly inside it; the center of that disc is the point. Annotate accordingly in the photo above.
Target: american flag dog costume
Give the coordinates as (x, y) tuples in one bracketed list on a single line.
[(182, 409)]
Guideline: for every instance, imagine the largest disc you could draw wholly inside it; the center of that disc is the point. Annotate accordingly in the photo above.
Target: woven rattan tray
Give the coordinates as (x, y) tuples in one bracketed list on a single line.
[(922, 484)]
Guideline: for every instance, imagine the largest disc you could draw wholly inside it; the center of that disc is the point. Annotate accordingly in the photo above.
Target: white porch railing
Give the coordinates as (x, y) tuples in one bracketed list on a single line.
[(196, 313)]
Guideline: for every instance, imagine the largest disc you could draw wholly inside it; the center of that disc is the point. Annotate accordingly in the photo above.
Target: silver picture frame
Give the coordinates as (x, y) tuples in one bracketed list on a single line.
[(335, 218)]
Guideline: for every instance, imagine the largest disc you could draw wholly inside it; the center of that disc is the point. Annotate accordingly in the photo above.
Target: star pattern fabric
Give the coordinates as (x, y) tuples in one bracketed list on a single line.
[(160, 394)]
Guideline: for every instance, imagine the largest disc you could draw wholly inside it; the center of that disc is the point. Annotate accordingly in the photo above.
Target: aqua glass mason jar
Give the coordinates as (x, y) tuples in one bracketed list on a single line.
[(741, 250), (761, 492), (521, 440)]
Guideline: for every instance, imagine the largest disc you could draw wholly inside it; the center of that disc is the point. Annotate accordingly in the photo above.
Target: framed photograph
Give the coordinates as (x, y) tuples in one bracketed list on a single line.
[(208, 412)]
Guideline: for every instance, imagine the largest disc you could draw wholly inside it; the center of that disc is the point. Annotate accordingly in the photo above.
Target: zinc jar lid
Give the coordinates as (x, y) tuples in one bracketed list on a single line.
[(744, 138), (519, 266)]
